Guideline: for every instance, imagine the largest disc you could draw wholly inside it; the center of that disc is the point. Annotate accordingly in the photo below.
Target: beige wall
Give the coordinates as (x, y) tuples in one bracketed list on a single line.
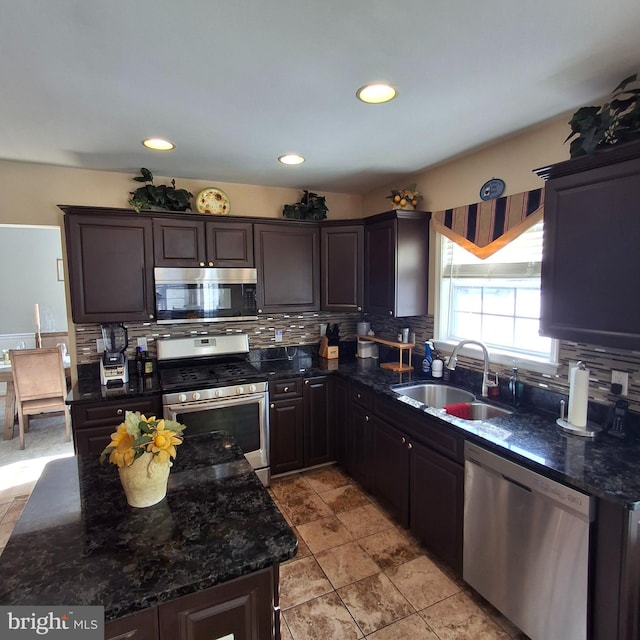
[(31, 193), (457, 181)]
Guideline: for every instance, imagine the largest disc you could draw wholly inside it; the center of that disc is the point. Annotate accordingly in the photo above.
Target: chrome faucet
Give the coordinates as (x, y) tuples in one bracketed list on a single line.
[(485, 373)]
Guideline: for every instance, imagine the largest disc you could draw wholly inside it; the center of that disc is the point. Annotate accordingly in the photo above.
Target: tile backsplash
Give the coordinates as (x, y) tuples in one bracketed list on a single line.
[(304, 329)]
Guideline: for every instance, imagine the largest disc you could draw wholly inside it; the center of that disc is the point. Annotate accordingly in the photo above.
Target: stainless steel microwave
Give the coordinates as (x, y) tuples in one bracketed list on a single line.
[(204, 295)]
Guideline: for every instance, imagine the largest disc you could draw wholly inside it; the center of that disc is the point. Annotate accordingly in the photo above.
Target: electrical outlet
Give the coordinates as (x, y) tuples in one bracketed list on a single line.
[(142, 343), (621, 378), (278, 335), (99, 345)]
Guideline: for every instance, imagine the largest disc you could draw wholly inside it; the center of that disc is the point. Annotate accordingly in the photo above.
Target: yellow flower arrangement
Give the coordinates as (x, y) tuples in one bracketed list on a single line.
[(138, 434)]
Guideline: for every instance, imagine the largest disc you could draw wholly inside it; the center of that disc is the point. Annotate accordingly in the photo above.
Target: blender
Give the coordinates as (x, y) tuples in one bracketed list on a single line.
[(113, 365)]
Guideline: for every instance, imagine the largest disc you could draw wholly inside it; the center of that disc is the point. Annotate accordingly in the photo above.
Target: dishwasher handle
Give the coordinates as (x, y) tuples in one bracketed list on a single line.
[(566, 497)]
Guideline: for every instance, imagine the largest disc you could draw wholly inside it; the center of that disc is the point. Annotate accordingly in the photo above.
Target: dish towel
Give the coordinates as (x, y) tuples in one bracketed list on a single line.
[(459, 410)]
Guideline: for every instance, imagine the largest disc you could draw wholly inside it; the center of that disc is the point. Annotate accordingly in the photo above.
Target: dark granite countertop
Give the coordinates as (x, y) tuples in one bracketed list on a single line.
[(78, 542), (88, 388), (604, 467)]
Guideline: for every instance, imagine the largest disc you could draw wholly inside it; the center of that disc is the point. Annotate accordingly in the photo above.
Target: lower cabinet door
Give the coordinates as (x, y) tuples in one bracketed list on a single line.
[(359, 446), (286, 432), (142, 625), (390, 481), (437, 503), (242, 609)]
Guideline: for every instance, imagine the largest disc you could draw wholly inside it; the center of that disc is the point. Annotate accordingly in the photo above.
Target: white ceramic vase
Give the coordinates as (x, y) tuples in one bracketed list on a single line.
[(145, 481)]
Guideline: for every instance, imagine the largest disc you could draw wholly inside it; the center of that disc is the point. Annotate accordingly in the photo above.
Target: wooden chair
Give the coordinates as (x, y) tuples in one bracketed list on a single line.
[(40, 386)]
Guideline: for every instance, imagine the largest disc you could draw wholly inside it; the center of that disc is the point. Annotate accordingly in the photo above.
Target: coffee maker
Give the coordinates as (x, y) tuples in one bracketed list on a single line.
[(114, 370)]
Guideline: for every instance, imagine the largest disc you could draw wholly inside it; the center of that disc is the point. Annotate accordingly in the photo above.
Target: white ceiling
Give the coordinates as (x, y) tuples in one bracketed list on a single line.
[(236, 83)]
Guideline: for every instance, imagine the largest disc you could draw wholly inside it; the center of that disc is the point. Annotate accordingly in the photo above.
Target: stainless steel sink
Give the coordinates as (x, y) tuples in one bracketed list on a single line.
[(435, 395), (482, 411)]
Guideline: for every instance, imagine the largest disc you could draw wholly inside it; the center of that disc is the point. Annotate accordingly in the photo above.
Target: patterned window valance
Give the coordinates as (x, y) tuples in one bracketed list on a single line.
[(485, 227)]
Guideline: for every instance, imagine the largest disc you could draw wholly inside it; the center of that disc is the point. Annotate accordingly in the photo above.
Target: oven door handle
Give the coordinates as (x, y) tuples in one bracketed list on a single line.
[(219, 402)]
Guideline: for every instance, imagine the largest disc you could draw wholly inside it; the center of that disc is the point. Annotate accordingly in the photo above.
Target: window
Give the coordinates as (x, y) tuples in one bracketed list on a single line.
[(496, 300)]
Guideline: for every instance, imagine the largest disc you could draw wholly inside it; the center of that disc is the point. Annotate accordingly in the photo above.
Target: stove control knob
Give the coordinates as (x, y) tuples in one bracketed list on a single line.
[(216, 393), (252, 388), (182, 397), (195, 396), (239, 390)]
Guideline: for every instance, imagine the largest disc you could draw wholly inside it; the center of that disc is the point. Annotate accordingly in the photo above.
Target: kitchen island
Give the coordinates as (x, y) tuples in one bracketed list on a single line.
[(216, 537)]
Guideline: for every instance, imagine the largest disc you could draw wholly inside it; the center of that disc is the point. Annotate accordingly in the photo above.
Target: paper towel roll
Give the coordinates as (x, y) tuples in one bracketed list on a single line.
[(578, 396)]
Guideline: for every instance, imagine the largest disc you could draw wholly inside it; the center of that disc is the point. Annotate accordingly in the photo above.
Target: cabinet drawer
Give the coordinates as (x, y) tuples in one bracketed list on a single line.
[(424, 428), (142, 625), (111, 413), (361, 395), (283, 389)]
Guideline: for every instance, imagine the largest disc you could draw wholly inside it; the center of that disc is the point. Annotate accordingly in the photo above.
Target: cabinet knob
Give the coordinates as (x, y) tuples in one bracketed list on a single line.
[(151, 316), (286, 389), (272, 406), (201, 264), (259, 310), (119, 412), (366, 418), (306, 382), (358, 308), (409, 446), (390, 313), (403, 440), (210, 264), (359, 396)]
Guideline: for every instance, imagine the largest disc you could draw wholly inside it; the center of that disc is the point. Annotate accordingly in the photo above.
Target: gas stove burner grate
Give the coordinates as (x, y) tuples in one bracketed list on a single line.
[(207, 375)]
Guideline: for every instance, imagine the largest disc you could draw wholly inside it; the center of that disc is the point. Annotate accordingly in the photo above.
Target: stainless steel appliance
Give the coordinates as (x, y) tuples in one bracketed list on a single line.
[(526, 546), (114, 370), (209, 385), (205, 295)]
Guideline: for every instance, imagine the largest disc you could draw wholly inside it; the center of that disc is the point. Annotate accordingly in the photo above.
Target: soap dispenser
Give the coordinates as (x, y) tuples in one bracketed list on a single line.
[(428, 357)]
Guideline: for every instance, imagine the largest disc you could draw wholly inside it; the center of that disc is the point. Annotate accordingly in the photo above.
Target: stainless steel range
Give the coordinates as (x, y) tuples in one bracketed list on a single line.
[(208, 384)]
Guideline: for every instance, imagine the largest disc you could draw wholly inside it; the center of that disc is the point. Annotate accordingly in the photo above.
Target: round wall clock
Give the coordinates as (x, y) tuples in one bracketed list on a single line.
[(492, 189), (213, 200)]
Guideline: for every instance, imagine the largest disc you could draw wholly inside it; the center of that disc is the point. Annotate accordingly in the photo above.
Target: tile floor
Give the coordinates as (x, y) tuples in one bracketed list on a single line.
[(358, 574)]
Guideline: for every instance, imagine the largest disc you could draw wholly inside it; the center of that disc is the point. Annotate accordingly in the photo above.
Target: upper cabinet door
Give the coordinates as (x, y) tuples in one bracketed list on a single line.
[(110, 268), (397, 263), (288, 263), (342, 267), (590, 249), (179, 243), (230, 244)]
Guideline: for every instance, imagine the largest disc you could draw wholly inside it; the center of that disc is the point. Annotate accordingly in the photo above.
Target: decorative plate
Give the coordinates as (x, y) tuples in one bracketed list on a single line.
[(213, 200), (492, 189)]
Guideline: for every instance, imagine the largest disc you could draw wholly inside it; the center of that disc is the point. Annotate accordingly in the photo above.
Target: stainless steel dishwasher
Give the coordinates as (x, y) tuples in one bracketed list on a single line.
[(526, 546)]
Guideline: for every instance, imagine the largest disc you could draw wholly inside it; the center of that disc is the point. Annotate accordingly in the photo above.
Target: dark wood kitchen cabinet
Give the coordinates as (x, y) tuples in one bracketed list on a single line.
[(202, 243), (245, 608), (396, 263), (286, 425), (110, 261), (436, 490), (421, 488), (360, 437), (94, 422), (341, 415), (301, 433), (342, 267), (590, 250), (318, 428), (391, 455), (288, 263)]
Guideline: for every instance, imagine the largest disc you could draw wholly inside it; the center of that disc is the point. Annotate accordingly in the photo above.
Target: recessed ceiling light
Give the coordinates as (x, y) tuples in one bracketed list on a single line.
[(376, 93), (291, 158), (158, 144)]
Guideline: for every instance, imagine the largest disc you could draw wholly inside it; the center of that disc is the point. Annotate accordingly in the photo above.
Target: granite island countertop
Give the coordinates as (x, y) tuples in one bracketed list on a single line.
[(78, 542)]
